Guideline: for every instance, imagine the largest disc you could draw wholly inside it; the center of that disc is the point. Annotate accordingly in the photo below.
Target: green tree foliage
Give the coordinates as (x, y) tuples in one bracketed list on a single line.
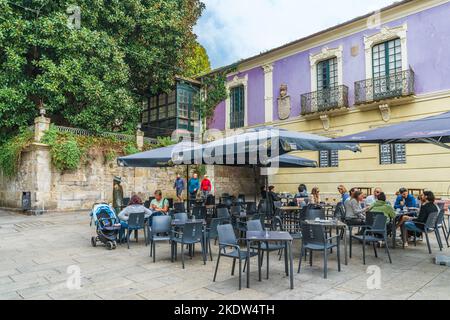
[(198, 62), (93, 77)]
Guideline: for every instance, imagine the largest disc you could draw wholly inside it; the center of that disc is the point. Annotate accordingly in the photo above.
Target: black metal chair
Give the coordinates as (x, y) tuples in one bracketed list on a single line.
[(211, 233), (313, 212), (160, 231), (227, 239), (136, 222), (223, 213), (179, 207), (375, 233), (190, 234), (182, 216), (315, 239), (199, 212), (440, 224), (250, 208), (255, 225)]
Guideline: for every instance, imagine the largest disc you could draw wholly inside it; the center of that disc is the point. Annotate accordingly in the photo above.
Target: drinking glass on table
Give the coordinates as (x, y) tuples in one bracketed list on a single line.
[(267, 232)]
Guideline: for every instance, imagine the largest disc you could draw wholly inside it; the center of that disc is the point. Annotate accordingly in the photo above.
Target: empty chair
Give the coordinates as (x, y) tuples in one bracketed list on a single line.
[(227, 240), (136, 222), (211, 233), (315, 239), (314, 212), (235, 210), (373, 234), (182, 216), (223, 213), (250, 208), (160, 231), (255, 225), (190, 234), (210, 200), (199, 212), (179, 207)]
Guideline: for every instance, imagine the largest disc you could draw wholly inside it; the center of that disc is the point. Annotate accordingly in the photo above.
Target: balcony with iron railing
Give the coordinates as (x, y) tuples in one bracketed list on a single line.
[(396, 85), (325, 100)]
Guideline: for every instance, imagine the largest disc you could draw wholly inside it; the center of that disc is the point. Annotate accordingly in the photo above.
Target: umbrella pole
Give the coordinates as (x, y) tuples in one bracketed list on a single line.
[(256, 183), (187, 188)]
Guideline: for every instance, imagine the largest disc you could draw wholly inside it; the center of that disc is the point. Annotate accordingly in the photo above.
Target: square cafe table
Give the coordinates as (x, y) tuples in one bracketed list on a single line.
[(271, 236)]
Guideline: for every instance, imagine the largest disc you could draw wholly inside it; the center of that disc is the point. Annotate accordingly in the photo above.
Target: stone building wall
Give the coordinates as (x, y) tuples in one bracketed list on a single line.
[(52, 190)]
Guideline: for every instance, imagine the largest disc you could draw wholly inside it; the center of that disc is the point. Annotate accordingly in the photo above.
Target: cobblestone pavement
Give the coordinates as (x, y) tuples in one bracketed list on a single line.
[(36, 254)]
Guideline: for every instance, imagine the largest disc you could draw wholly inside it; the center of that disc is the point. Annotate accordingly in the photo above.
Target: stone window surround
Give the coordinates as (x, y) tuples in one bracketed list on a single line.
[(235, 82), (384, 35), (326, 54), (268, 92)]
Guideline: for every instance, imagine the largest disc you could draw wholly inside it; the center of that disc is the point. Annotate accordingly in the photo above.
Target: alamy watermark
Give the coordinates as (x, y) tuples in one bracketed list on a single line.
[(374, 281), (74, 279), (74, 17)]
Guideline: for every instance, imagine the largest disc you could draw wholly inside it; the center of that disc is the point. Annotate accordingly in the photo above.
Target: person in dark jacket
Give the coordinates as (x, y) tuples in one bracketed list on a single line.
[(417, 224)]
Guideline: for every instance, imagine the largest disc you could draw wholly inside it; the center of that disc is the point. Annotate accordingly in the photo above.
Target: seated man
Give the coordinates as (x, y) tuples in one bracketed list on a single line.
[(383, 207), (159, 204), (405, 199)]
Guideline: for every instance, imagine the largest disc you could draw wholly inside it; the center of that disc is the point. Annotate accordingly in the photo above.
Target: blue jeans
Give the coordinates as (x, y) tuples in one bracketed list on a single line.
[(411, 226), (124, 226)]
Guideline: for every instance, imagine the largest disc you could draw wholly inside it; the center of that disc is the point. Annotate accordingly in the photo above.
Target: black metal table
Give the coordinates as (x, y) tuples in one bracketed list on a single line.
[(271, 236)]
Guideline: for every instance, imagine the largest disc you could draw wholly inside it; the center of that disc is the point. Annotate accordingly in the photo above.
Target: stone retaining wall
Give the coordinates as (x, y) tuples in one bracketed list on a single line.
[(93, 181)]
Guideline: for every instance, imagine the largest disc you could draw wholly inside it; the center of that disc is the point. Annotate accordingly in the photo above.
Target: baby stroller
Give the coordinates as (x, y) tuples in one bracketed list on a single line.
[(107, 225)]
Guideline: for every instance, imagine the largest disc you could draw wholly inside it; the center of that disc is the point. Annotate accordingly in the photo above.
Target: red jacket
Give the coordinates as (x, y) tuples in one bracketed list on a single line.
[(206, 185)]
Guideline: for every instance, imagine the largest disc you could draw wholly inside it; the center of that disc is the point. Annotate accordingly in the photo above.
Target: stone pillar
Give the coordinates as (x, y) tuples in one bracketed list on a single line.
[(41, 124), (140, 139)]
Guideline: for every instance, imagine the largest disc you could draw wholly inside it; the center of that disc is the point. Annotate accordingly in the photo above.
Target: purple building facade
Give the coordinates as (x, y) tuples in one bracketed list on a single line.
[(427, 41)]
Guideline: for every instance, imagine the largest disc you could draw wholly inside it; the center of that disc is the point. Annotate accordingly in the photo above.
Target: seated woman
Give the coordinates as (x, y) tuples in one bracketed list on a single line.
[(314, 198), (417, 224), (135, 206), (159, 204), (354, 214)]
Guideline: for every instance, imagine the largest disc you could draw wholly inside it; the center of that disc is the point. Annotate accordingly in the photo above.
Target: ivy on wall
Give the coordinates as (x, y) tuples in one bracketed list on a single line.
[(214, 91), (11, 150)]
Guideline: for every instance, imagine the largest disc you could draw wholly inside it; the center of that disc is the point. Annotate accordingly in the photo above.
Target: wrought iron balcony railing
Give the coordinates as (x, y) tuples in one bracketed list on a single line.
[(400, 84), (325, 100)]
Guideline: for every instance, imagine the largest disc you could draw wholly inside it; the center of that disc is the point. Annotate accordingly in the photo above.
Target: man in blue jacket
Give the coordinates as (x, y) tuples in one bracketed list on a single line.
[(405, 200), (193, 186)]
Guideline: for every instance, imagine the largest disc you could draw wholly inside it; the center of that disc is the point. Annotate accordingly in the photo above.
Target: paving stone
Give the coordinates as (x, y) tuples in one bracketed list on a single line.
[(34, 262)]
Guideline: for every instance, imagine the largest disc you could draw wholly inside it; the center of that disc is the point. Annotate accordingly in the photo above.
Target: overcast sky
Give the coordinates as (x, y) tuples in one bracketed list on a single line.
[(236, 29)]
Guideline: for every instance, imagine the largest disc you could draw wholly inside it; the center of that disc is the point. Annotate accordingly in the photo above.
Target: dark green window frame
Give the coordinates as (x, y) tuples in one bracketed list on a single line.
[(327, 74), (237, 107), (392, 154), (387, 68), (328, 158)]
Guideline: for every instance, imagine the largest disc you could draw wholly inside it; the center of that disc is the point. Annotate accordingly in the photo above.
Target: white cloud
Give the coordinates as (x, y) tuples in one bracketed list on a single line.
[(236, 29)]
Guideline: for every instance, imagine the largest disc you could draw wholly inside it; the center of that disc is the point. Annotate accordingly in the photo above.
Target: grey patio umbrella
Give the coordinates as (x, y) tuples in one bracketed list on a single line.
[(260, 144), (434, 130), (181, 154), (156, 158)]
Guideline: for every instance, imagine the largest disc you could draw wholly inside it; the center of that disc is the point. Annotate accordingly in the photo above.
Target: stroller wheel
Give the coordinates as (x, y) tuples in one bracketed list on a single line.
[(94, 241), (114, 245), (109, 245)]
